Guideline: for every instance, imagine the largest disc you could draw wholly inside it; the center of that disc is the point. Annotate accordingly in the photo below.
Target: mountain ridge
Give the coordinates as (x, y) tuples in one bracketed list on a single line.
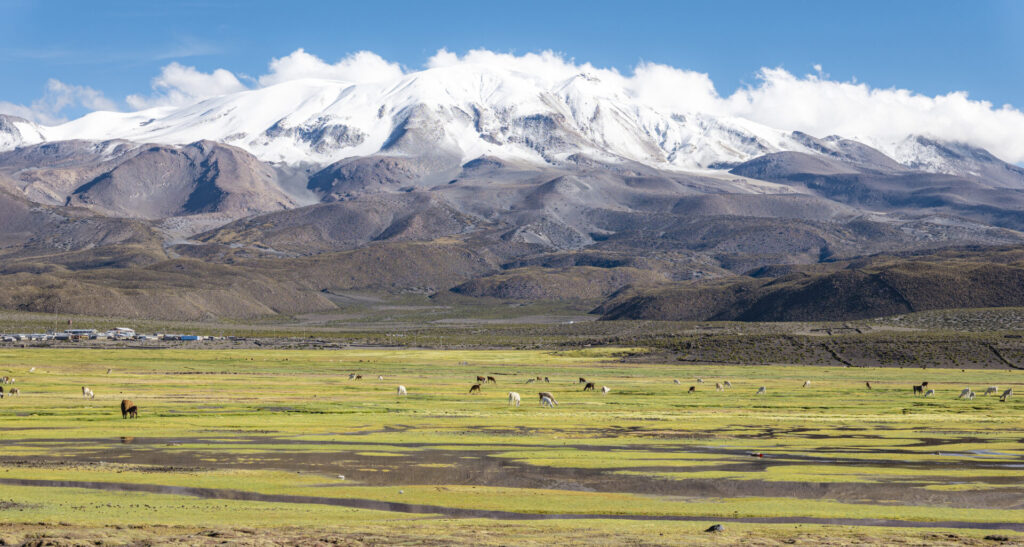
[(514, 186), (474, 110)]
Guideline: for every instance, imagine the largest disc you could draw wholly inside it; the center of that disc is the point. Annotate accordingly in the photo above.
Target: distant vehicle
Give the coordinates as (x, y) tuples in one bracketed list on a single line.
[(121, 333)]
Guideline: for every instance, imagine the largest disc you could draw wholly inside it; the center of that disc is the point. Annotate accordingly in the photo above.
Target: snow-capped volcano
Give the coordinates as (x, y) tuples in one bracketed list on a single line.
[(488, 167), (555, 153), (468, 110)]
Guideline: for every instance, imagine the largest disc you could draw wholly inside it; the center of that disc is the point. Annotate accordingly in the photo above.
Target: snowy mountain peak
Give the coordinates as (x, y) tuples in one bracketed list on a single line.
[(958, 159), (15, 132), (469, 110)]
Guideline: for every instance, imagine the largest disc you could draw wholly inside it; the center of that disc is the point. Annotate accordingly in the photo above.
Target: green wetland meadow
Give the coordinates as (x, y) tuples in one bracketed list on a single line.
[(283, 446)]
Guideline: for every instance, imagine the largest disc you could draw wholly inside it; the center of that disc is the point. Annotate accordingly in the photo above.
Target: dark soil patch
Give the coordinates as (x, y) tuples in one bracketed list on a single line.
[(483, 467), (359, 503)]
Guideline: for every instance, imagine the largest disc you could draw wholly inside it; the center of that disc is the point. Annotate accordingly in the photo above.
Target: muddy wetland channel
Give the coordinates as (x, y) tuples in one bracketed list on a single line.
[(682, 472), (317, 440)]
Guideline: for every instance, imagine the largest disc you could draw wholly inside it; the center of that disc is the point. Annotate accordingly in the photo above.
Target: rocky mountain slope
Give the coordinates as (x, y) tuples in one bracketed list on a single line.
[(482, 181), (878, 286)]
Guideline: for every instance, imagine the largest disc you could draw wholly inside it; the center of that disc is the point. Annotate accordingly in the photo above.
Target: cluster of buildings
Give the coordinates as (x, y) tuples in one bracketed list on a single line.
[(119, 333)]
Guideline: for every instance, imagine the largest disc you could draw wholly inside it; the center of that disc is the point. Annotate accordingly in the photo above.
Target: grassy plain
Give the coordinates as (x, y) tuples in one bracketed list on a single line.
[(250, 446)]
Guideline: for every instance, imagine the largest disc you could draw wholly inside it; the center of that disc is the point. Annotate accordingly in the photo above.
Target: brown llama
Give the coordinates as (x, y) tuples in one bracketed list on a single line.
[(128, 407), (544, 394)]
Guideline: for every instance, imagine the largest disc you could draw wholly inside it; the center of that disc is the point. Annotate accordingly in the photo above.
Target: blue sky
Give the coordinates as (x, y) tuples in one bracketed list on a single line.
[(118, 47)]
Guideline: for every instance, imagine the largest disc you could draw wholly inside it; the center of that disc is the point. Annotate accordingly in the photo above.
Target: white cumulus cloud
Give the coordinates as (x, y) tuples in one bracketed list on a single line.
[(58, 97), (672, 90), (546, 65), (813, 103), (359, 67), (179, 85), (546, 69), (19, 110), (824, 107)]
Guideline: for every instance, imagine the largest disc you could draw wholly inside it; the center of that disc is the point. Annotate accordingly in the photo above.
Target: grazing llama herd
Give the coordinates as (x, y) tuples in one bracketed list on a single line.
[(131, 410), (548, 400)]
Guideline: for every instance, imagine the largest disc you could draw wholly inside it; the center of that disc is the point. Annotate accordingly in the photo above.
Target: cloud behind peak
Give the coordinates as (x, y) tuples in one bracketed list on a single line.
[(778, 98)]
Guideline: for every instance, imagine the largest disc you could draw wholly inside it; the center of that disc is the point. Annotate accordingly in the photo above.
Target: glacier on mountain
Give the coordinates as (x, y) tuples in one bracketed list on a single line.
[(465, 110)]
